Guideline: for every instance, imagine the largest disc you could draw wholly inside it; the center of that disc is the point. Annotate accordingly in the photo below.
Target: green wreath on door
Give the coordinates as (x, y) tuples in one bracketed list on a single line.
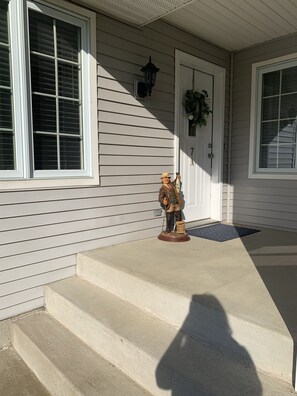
[(196, 104)]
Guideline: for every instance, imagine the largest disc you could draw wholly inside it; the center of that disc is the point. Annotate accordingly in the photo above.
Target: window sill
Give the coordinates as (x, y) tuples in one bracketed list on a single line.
[(34, 184), (273, 176)]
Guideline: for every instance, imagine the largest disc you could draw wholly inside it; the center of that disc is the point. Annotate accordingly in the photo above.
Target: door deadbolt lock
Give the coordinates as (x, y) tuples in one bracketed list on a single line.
[(210, 155), (209, 145)]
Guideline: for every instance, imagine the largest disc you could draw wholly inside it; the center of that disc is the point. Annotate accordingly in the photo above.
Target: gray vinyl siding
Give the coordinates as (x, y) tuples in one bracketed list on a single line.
[(262, 202), (41, 231)]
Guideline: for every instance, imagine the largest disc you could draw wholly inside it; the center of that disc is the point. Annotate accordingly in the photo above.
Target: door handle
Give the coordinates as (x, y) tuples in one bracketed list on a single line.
[(192, 155), (210, 155)]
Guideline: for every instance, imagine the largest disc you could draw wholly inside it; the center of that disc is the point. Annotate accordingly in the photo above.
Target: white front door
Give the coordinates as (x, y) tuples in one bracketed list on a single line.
[(200, 148), (196, 151)]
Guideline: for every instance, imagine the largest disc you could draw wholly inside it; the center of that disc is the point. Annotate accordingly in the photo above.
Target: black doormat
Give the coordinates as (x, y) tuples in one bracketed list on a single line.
[(221, 232)]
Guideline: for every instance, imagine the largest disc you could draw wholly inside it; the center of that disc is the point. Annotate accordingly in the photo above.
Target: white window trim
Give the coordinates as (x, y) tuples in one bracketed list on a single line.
[(254, 171), (45, 179)]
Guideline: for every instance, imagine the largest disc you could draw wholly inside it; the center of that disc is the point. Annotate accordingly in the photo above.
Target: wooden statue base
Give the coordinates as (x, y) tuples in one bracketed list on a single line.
[(173, 237)]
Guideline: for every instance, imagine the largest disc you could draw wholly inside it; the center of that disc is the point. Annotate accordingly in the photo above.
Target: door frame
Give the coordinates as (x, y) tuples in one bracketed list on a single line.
[(219, 73)]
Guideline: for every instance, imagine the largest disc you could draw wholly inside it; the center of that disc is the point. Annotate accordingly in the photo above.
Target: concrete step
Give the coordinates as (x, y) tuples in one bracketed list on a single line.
[(16, 377), (155, 354), (135, 273), (64, 364)]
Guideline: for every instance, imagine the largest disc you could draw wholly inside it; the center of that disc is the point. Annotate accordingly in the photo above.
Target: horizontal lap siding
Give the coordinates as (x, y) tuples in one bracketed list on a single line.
[(268, 203), (41, 231)]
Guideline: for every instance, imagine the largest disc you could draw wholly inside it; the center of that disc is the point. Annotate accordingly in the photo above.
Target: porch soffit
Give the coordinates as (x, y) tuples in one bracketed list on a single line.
[(230, 24), (135, 12)]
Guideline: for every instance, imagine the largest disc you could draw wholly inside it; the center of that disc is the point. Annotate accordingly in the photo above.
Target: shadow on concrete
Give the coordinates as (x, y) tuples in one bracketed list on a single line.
[(191, 368), (275, 257)]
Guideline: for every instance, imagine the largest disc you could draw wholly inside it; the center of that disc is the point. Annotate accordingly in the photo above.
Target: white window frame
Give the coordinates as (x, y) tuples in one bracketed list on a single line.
[(23, 176), (255, 172)]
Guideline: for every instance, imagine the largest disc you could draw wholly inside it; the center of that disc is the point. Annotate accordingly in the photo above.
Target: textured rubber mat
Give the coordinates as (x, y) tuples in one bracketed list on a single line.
[(221, 232)]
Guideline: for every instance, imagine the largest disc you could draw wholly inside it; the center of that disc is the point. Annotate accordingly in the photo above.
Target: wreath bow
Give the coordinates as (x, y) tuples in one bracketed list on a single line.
[(196, 104)]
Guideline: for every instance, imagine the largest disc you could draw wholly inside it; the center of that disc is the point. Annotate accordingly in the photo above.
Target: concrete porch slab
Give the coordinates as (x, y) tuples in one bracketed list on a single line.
[(253, 278)]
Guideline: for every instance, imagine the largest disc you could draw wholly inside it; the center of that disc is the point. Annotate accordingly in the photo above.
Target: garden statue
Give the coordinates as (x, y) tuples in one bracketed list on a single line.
[(170, 201)]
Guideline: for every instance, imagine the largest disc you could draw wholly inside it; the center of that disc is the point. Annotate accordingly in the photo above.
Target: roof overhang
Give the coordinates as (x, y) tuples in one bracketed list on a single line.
[(230, 24), (135, 12)]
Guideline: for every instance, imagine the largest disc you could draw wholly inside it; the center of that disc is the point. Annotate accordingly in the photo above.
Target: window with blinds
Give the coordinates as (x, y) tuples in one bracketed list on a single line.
[(46, 129), (7, 151), (278, 119), (274, 118), (56, 94)]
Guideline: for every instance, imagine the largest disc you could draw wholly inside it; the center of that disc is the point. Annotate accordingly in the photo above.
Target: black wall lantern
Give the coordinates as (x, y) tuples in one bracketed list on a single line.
[(149, 73)]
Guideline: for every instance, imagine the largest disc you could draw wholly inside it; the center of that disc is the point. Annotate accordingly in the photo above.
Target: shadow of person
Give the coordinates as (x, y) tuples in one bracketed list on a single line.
[(191, 367)]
